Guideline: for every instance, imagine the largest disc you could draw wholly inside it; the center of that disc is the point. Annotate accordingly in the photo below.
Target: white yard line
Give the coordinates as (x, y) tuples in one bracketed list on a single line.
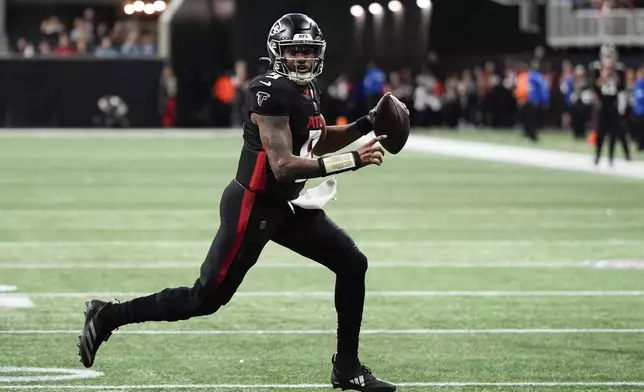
[(98, 265), (43, 374), (448, 384), (505, 331), (375, 293), (523, 156), (14, 300)]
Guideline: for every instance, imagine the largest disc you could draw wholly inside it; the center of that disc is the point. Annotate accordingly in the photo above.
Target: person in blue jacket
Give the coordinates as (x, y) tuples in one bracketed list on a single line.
[(373, 84), (638, 107), (566, 87), (538, 98)]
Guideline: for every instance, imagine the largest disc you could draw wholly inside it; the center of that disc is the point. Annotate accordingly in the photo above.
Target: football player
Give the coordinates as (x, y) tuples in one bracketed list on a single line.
[(608, 74), (284, 134), (581, 96)]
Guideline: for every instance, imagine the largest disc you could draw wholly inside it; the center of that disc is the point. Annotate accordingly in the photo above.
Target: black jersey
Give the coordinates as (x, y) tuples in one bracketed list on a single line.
[(608, 90), (274, 95)]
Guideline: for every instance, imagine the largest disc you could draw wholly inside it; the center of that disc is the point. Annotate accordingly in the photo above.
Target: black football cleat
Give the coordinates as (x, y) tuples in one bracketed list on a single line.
[(360, 379), (94, 332)]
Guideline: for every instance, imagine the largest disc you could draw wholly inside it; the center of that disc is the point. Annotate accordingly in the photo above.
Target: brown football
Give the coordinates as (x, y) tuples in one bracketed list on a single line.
[(392, 120)]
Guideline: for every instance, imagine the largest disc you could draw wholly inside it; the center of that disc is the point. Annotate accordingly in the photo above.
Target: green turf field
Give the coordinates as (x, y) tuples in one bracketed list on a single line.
[(481, 273)]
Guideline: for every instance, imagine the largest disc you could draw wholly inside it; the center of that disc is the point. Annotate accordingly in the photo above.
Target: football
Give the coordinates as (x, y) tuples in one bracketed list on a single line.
[(392, 120)]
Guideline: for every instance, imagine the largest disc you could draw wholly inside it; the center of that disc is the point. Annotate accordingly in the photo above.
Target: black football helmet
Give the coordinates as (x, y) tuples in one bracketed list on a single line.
[(608, 55), (608, 50), (299, 31)]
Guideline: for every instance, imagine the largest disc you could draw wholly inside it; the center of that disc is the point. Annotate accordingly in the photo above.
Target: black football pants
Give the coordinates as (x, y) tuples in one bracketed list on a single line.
[(530, 117), (248, 222), (579, 118), (639, 132), (609, 124)]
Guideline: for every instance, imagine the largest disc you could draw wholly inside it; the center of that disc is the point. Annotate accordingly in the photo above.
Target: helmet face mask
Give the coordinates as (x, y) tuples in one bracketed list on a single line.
[(296, 48)]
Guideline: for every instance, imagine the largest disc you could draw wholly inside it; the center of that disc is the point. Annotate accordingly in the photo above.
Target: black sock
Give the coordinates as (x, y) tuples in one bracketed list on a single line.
[(137, 310), (349, 303), (171, 304)]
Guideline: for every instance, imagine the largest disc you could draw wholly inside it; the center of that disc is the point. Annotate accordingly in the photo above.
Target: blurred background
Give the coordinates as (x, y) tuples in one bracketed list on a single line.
[(179, 63)]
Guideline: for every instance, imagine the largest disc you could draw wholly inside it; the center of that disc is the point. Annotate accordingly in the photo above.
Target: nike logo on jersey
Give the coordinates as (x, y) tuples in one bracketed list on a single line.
[(265, 83)]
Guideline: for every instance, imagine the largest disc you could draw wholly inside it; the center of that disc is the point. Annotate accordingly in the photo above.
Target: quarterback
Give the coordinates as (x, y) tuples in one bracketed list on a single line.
[(286, 142)]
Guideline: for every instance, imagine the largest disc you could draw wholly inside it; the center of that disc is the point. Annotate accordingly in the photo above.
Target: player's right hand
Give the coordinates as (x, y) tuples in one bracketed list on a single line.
[(372, 153)]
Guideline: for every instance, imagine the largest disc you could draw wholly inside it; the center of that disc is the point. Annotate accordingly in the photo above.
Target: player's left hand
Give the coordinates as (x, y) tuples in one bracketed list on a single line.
[(372, 113)]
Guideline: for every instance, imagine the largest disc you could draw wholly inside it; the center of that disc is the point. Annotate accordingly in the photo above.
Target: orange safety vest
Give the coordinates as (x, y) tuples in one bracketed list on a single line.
[(521, 90), (224, 89)]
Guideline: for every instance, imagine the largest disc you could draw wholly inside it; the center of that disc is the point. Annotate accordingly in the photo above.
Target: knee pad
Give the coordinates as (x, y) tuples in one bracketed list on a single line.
[(204, 299), (354, 263)]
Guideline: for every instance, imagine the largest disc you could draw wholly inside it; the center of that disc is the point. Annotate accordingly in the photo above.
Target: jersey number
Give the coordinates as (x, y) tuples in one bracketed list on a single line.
[(307, 148), (609, 88)]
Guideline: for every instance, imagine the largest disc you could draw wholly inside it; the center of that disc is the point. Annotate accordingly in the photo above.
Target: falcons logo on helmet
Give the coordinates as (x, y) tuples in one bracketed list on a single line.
[(277, 27)]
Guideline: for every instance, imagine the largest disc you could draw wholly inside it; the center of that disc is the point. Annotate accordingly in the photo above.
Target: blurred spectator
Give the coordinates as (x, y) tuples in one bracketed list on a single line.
[(481, 91), (401, 89), (131, 46), (148, 46), (51, 27), (102, 31), (240, 82), (44, 49), (79, 32), (426, 102), (407, 79), (25, 48), (451, 103), (532, 94), (118, 33), (168, 97), (88, 25), (468, 97), (106, 49), (580, 99), (638, 107), (224, 93), (566, 85), (373, 82), (339, 93), (490, 106), (625, 104), (64, 46), (82, 47)]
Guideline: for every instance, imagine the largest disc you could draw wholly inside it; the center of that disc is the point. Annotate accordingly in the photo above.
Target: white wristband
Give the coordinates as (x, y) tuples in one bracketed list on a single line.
[(339, 163)]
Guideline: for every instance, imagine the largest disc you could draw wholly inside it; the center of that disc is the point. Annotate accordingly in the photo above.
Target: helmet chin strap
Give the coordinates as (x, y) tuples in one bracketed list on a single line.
[(301, 78)]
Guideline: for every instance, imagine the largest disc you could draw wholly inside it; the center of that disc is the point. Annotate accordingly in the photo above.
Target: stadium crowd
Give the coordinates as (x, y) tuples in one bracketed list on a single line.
[(84, 35), (486, 96)]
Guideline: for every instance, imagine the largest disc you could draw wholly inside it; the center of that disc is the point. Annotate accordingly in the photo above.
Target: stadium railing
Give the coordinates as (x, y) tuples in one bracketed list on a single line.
[(567, 27)]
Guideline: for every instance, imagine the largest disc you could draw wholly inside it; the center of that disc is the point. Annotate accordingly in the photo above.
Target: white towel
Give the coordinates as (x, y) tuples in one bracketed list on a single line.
[(316, 198)]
